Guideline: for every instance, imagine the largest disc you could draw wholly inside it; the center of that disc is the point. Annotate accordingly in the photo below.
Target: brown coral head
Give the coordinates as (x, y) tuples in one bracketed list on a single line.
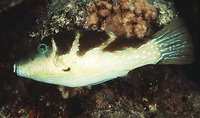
[(92, 22), (128, 18)]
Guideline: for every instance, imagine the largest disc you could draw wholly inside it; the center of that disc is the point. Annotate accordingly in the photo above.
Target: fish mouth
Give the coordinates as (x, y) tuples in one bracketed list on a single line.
[(15, 67)]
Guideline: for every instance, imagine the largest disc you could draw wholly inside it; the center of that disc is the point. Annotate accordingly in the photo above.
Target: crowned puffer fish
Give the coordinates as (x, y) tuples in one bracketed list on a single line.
[(82, 58)]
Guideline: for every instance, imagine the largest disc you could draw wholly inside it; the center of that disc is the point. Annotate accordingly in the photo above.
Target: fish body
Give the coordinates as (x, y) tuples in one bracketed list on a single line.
[(82, 58)]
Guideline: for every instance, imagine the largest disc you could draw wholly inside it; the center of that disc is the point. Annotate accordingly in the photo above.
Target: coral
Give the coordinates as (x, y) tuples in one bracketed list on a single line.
[(128, 18), (166, 11)]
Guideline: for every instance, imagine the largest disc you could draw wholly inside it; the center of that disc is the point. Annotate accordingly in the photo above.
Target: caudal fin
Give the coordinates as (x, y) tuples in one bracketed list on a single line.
[(175, 44)]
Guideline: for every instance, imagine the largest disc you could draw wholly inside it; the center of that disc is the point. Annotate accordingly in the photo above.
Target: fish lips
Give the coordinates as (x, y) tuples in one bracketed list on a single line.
[(15, 69)]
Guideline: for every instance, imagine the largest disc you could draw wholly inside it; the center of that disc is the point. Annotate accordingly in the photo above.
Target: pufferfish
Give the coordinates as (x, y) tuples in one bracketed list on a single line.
[(82, 58)]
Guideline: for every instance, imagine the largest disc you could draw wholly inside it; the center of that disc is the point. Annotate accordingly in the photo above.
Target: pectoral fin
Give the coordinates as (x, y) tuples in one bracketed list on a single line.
[(58, 61)]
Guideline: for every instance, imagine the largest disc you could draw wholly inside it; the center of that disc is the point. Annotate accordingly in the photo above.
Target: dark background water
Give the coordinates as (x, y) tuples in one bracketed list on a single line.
[(189, 11)]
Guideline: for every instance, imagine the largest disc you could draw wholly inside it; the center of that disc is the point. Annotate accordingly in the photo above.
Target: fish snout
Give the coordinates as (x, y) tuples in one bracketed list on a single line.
[(15, 68)]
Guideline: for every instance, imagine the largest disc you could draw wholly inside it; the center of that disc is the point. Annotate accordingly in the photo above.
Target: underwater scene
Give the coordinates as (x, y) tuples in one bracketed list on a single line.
[(99, 59)]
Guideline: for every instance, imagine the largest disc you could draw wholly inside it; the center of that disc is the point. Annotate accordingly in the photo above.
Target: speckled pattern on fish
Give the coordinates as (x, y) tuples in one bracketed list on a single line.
[(81, 58)]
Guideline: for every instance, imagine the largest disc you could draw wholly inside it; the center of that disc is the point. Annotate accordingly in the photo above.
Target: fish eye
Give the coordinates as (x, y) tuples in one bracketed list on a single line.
[(42, 48)]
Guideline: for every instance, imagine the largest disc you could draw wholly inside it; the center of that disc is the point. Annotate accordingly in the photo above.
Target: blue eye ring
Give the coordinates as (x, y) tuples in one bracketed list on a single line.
[(42, 48)]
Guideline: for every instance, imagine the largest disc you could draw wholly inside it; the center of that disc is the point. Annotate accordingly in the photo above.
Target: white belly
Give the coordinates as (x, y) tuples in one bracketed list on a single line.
[(97, 66)]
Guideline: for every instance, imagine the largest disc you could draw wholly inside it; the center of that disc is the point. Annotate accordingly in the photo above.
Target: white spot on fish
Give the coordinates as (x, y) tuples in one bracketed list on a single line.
[(137, 56), (130, 57), (97, 48), (45, 76), (144, 57), (88, 52), (133, 62), (34, 78), (123, 55), (149, 53), (108, 69), (143, 51)]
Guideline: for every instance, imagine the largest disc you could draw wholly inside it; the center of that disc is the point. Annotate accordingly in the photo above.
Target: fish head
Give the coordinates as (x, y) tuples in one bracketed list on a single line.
[(37, 63), (52, 61)]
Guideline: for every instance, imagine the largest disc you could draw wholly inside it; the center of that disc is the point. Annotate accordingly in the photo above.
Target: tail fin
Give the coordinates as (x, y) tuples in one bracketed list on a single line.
[(174, 43)]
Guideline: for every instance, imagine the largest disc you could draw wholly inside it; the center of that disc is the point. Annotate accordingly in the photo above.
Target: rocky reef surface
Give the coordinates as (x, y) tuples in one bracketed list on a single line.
[(149, 91)]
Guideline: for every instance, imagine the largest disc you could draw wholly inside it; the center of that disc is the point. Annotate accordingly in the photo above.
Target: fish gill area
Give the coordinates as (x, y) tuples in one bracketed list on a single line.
[(152, 91)]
